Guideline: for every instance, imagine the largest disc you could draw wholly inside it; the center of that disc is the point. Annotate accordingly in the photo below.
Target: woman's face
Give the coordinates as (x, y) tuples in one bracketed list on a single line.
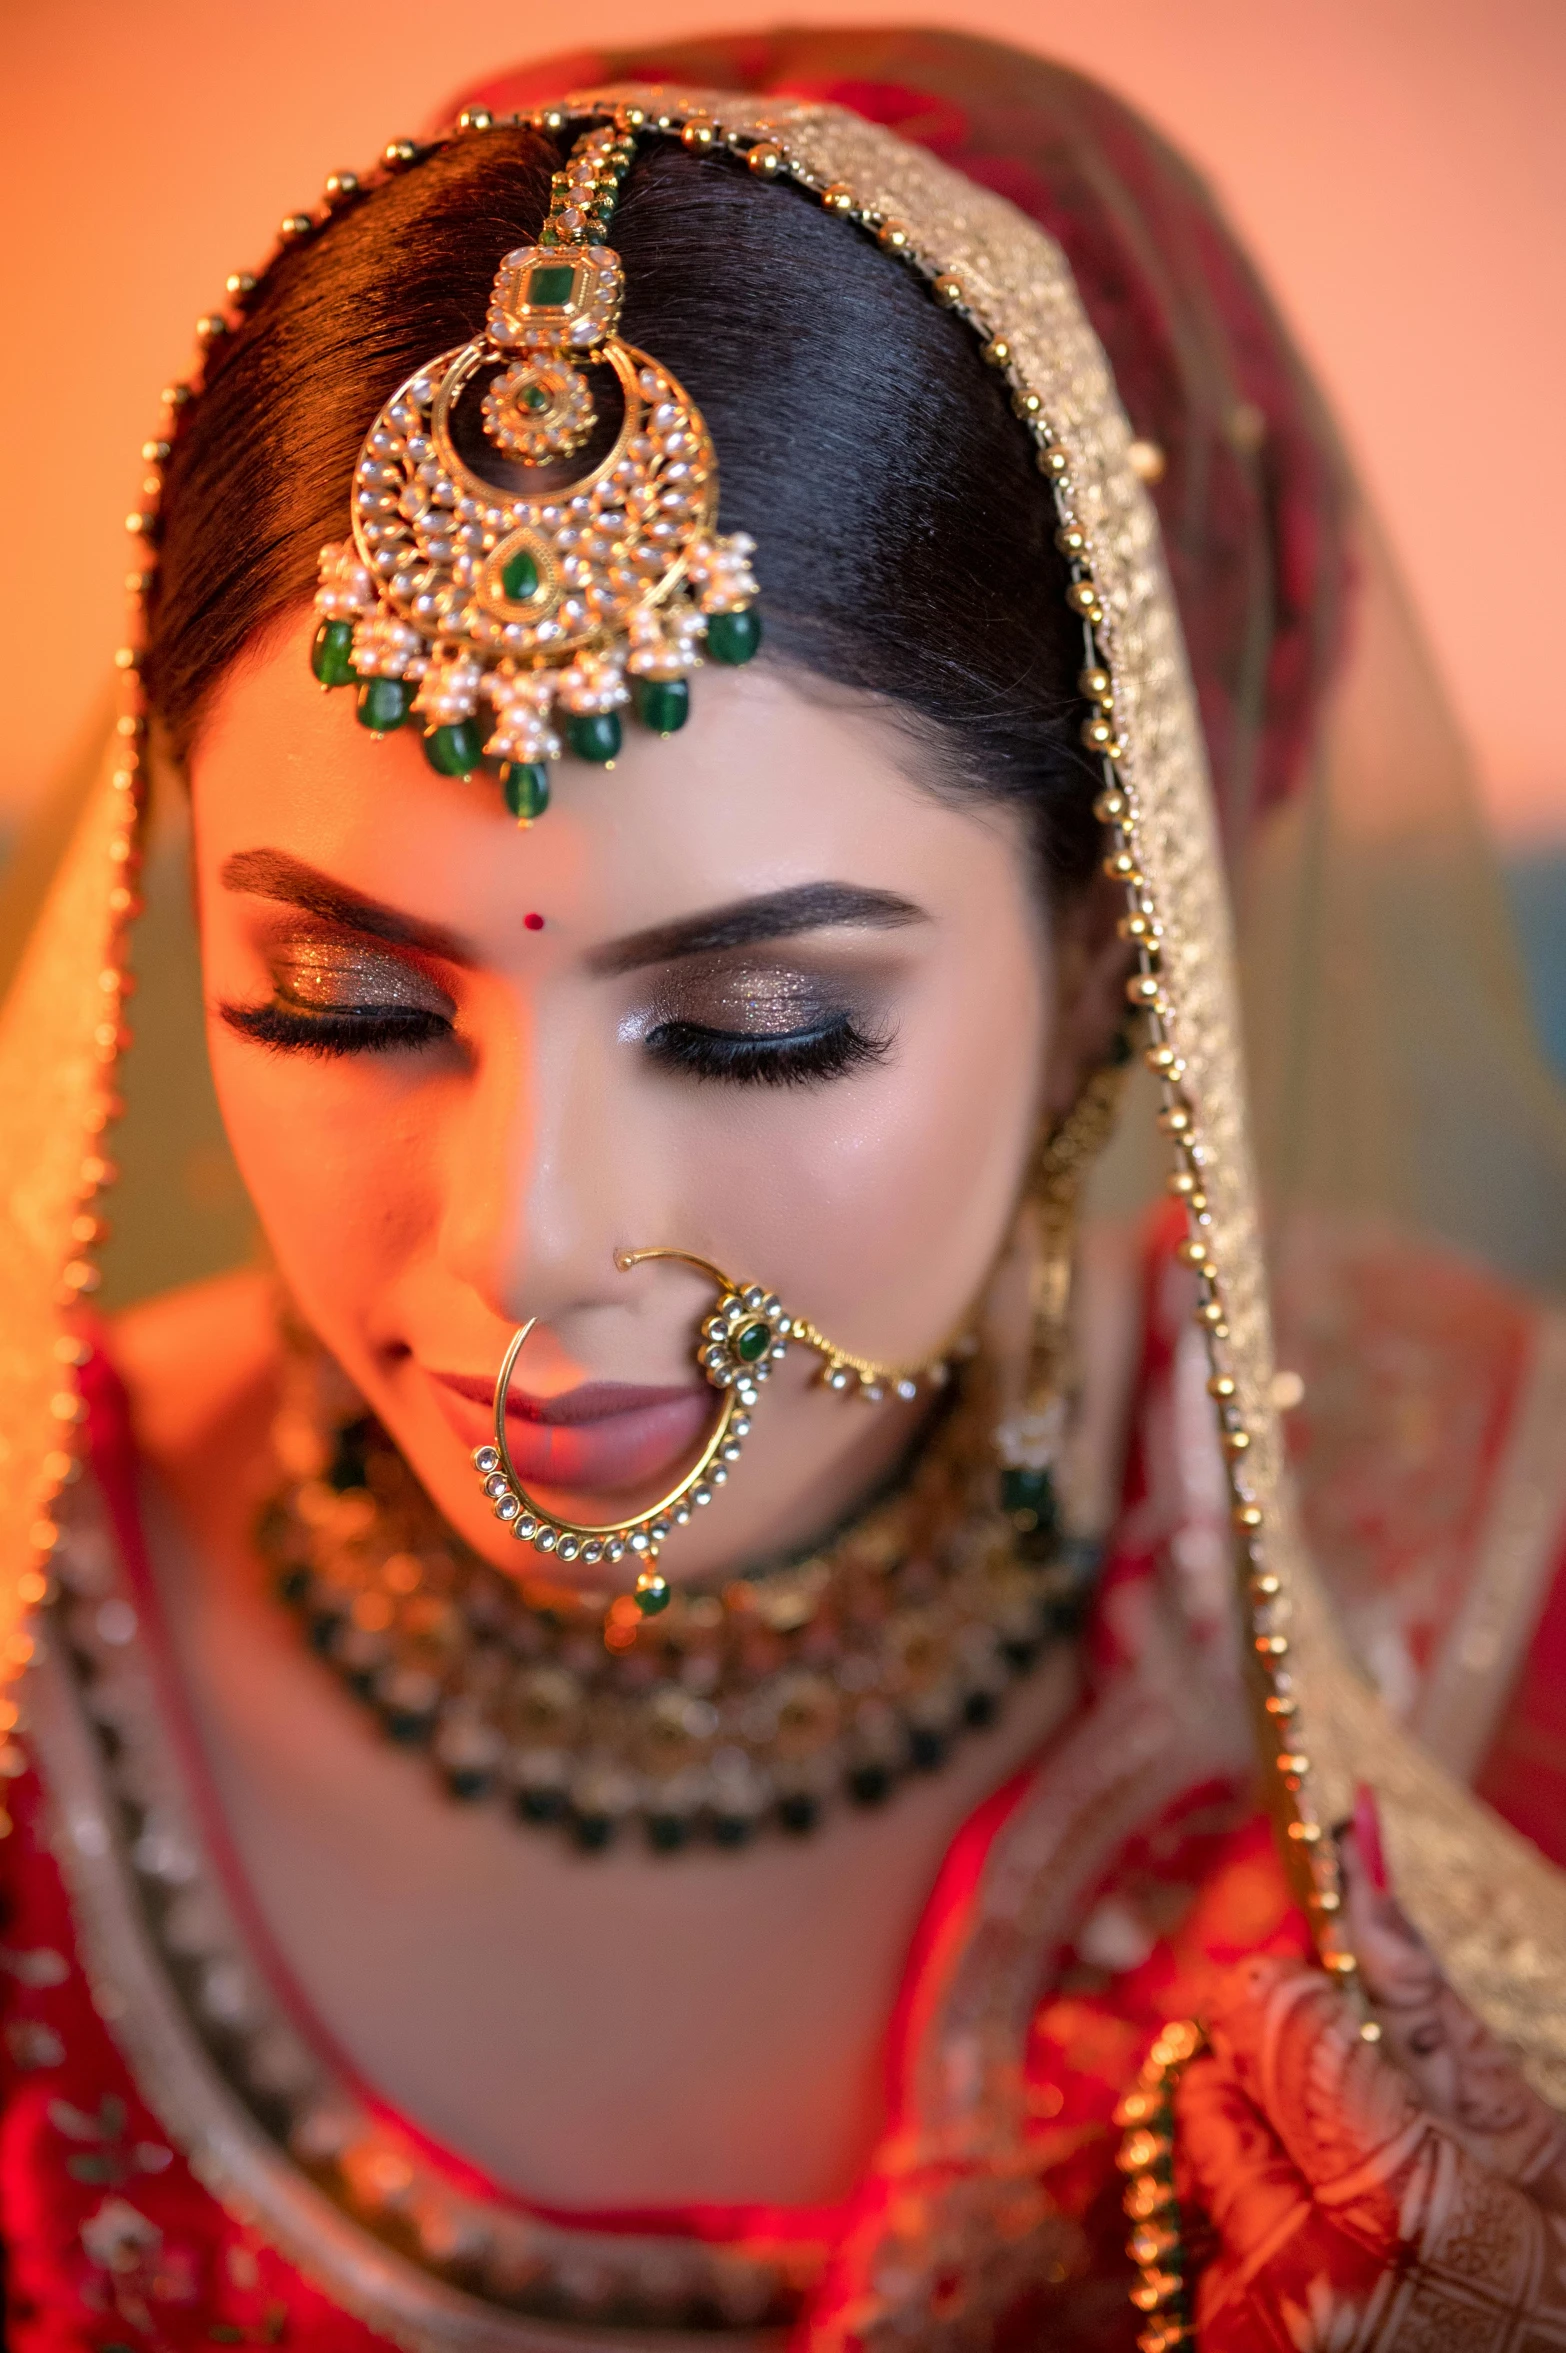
[(754, 993)]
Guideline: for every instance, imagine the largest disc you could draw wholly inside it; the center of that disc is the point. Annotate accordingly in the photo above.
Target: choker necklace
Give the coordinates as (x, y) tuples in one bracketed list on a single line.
[(758, 1703)]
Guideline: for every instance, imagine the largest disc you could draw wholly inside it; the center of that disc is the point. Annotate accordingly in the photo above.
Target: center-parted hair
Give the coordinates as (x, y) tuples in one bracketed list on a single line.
[(905, 539)]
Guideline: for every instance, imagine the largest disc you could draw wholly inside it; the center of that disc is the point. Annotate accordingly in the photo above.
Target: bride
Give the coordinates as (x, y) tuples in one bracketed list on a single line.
[(701, 1717)]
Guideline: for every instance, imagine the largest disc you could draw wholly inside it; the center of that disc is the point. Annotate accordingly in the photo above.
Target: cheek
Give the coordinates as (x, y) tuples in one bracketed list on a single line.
[(878, 1207), (339, 1164)]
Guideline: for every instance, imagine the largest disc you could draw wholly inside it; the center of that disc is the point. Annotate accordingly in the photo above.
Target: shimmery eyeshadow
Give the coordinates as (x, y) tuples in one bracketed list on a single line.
[(750, 1000), (330, 976)]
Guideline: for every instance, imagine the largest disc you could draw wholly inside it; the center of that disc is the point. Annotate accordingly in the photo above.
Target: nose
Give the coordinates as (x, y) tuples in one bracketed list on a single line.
[(534, 1207)]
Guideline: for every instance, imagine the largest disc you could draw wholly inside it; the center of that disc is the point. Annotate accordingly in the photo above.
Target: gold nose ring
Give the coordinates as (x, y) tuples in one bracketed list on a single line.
[(746, 1333)]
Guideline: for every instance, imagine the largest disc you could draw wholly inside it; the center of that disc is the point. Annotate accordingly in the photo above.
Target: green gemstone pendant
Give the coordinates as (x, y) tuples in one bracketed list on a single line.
[(525, 784), (549, 285), (331, 656), (652, 1593), (594, 735), (455, 750), (734, 637), (663, 704), (519, 576), (384, 703), (1028, 1498)]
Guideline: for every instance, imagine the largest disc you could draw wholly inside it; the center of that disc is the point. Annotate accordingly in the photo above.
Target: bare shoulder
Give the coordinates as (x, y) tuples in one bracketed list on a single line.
[(200, 1366)]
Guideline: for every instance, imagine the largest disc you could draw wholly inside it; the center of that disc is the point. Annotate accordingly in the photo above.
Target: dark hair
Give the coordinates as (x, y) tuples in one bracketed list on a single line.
[(906, 541)]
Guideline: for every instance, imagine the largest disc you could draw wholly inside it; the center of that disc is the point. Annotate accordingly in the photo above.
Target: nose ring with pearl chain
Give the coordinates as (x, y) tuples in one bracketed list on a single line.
[(746, 1334)]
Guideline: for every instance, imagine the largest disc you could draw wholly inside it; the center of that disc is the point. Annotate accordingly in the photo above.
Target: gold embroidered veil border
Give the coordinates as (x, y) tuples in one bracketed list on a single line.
[(1494, 1911)]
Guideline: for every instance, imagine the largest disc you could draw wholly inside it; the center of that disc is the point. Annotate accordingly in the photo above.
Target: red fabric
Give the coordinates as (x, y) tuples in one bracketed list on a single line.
[(1254, 499), (111, 2241), (1524, 1775)]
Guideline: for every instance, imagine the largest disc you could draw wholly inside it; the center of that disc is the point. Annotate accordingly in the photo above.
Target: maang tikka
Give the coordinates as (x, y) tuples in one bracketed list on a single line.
[(518, 620)]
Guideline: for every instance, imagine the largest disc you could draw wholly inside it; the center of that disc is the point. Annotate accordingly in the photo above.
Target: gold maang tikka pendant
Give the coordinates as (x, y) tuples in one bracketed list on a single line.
[(516, 620)]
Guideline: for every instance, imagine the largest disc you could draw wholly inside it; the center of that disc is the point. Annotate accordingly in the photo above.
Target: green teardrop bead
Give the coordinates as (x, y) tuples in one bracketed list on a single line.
[(652, 1598), (455, 750), (525, 784), (519, 577), (331, 656), (594, 735), (663, 704), (734, 637), (384, 703)]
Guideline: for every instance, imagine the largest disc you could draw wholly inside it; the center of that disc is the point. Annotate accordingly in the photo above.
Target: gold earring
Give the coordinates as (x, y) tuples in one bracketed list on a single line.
[(740, 1341), (1029, 1441)]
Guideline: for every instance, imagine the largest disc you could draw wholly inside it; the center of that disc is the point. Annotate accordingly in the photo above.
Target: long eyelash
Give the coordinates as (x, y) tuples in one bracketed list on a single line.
[(800, 1059), (381, 1032)]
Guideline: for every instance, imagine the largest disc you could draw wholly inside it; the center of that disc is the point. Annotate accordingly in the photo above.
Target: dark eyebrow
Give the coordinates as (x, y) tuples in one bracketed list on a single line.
[(272, 874), (808, 907)]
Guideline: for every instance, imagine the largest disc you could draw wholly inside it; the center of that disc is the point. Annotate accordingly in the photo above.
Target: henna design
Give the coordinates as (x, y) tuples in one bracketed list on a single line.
[(1353, 2217), (1460, 2070)]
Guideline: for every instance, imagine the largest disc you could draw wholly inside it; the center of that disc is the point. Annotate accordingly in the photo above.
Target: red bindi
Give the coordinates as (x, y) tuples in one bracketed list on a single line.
[(533, 922)]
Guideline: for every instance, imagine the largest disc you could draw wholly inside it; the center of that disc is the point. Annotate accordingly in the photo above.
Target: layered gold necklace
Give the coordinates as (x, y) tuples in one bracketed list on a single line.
[(834, 1674)]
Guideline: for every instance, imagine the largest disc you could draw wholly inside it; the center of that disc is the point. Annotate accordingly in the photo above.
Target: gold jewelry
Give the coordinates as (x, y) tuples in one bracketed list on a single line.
[(833, 1675), (744, 1336), (557, 605), (1029, 1441), (1146, 2158)]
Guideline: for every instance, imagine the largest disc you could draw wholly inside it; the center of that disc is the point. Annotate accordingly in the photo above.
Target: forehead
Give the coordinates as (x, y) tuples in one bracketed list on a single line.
[(769, 786)]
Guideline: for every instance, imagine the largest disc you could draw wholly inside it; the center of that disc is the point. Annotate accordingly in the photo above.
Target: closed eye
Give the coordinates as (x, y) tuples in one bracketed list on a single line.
[(790, 1058), (342, 996), (363, 1030)]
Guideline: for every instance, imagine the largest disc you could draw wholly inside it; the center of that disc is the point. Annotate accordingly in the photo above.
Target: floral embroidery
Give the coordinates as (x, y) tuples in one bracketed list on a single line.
[(109, 2158)]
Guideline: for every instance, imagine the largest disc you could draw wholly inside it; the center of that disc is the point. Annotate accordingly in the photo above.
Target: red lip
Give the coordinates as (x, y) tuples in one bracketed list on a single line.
[(596, 1439)]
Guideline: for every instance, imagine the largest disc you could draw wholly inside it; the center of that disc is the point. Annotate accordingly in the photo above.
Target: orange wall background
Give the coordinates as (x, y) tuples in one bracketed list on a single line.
[(1398, 167)]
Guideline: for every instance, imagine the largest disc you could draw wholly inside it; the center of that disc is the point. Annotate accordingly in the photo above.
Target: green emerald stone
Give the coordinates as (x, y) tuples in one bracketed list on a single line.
[(549, 285), (534, 397), (753, 1342), (1028, 1497), (734, 637), (384, 703), (663, 704), (594, 735), (455, 750), (331, 656), (525, 784), (653, 1596), (519, 577)]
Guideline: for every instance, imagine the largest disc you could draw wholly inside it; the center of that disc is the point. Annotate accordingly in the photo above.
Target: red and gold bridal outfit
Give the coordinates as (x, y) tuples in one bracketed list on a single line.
[(170, 2113), (1082, 1906)]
